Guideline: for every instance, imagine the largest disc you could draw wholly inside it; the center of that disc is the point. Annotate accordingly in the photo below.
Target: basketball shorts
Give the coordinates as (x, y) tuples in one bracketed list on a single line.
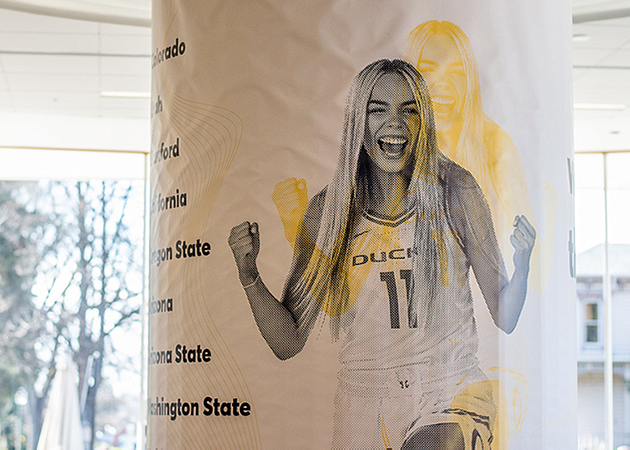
[(394, 408)]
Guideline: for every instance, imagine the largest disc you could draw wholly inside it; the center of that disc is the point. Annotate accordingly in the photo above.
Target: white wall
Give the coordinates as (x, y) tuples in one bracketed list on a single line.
[(35, 131)]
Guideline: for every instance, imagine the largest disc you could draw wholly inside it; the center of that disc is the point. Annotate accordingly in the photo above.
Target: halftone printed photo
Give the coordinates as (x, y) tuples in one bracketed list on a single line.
[(384, 254), (362, 241)]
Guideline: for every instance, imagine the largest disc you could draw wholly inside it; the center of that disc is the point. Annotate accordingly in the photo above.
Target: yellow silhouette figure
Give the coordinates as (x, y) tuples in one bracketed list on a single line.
[(291, 198), (443, 54)]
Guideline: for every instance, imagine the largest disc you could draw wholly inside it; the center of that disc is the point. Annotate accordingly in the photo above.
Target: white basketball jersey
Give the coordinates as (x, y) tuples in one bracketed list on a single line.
[(380, 331)]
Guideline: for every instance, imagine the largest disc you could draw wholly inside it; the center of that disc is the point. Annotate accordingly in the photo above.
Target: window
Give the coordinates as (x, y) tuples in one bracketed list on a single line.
[(592, 327), (72, 288)]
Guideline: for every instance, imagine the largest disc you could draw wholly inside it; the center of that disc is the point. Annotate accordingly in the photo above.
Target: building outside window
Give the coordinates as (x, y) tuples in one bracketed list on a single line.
[(590, 242)]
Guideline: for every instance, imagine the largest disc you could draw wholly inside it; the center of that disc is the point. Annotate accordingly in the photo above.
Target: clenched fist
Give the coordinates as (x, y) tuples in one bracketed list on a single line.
[(244, 241), (291, 199), (522, 239)]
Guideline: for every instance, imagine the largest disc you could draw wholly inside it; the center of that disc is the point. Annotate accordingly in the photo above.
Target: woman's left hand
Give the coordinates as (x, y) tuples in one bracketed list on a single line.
[(522, 239)]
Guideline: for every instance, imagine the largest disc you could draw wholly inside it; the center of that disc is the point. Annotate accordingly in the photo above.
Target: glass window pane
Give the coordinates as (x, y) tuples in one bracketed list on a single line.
[(71, 266), (590, 236), (589, 171), (617, 168), (589, 221), (591, 311)]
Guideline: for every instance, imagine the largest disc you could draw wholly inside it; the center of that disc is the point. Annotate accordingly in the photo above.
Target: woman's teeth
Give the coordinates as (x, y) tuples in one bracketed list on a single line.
[(442, 100), (392, 145), (443, 106)]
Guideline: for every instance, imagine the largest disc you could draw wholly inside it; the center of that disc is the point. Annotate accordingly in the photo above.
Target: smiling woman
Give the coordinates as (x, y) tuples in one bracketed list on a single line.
[(443, 54), (391, 132), (442, 66), (421, 219)]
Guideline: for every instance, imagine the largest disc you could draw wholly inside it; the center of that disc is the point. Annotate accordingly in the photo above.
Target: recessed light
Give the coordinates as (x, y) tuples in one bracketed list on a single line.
[(615, 132), (126, 94), (581, 38), (600, 106)]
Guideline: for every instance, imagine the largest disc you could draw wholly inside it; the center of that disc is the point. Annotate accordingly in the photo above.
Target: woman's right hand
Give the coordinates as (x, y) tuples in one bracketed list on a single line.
[(523, 238), (291, 198), (244, 241)]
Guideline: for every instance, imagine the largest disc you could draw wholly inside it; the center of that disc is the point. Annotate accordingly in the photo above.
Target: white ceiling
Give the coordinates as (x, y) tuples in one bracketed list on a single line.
[(54, 65), (123, 12), (601, 75), (601, 65)]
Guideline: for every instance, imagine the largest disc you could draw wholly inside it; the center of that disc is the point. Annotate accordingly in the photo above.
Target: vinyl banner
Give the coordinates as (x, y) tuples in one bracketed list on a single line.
[(361, 217)]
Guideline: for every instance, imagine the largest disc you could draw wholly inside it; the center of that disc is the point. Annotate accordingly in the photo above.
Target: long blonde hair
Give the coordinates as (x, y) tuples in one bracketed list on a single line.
[(470, 145), (325, 277)]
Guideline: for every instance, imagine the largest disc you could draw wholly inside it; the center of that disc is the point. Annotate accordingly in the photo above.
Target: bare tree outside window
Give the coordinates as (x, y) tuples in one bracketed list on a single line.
[(70, 283)]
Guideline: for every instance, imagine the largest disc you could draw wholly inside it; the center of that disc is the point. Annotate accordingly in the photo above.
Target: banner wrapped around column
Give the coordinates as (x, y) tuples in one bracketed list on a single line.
[(360, 225)]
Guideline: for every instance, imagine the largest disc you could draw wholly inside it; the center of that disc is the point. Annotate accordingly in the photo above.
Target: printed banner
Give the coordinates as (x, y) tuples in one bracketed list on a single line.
[(361, 219)]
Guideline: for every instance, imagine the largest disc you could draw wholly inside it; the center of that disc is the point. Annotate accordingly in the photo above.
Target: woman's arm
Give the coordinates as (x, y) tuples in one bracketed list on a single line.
[(275, 322), (470, 216), (509, 182), (505, 300)]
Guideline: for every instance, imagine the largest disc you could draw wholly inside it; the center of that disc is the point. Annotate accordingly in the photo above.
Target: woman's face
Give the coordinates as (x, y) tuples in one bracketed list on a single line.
[(392, 125), (443, 69)]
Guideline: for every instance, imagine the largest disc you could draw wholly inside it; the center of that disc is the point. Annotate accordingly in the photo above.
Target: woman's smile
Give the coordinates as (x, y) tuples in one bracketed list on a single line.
[(393, 146), (392, 125)]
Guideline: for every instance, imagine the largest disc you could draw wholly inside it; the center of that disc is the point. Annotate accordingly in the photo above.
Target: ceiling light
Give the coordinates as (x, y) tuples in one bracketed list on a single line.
[(581, 38), (600, 106), (126, 94)]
